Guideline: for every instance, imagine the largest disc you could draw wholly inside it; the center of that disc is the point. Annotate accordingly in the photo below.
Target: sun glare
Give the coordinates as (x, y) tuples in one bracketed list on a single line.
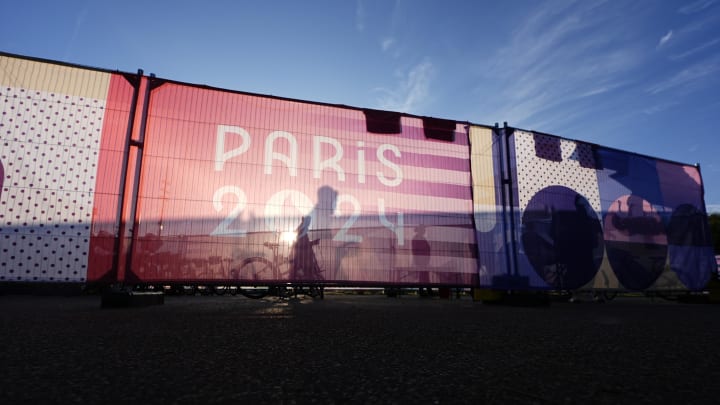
[(288, 237)]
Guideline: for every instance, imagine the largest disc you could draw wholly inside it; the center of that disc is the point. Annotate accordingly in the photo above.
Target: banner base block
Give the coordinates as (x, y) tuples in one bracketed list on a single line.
[(130, 299)]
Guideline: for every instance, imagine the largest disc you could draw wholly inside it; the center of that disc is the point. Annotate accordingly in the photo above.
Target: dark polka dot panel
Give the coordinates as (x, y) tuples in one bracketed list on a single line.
[(544, 161)]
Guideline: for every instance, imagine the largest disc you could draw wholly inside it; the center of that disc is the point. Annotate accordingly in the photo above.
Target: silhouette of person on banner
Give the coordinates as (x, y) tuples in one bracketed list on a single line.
[(421, 259), (304, 262)]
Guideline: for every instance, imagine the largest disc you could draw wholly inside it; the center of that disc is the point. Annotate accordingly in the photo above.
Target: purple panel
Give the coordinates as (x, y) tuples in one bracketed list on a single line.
[(635, 236), (689, 241), (562, 237)]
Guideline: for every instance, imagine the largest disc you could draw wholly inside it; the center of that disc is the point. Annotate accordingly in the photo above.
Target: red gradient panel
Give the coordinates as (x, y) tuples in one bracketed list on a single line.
[(105, 207)]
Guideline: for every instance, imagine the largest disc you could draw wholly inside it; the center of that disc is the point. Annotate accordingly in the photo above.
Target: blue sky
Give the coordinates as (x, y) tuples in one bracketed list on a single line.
[(640, 75)]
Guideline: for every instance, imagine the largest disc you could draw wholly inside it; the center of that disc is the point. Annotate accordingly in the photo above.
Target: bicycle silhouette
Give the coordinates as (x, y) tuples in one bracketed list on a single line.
[(297, 274)]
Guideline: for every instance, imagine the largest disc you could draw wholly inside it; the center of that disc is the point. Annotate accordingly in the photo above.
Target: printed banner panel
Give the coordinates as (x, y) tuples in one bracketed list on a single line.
[(656, 228), (239, 187), (56, 123), (559, 237), (596, 218)]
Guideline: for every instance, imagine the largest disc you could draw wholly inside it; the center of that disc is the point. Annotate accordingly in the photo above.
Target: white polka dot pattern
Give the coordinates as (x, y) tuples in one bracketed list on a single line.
[(572, 166), (50, 144)]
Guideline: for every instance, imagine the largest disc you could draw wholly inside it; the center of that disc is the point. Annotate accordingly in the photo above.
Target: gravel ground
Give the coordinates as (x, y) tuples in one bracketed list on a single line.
[(356, 349)]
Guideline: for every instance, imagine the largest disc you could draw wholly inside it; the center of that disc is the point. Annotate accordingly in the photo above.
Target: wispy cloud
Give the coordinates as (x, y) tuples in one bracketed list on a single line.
[(562, 53), (657, 108), (595, 92), (412, 89), (664, 39), (603, 89), (79, 22), (695, 50), (687, 76), (696, 6), (360, 16), (713, 208), (387, 43), (699, 23)]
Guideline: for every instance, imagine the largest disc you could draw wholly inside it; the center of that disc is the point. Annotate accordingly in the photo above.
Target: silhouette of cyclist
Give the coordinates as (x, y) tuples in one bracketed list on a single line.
[(304, 262)]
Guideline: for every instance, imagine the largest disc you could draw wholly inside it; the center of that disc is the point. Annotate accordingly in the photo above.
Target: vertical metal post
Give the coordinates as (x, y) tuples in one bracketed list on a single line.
[(513, 227), (120, 231), (139, 144), (503, 200)]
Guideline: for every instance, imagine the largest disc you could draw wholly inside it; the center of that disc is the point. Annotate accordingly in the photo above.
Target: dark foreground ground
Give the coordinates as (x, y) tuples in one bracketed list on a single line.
[(356, 349)]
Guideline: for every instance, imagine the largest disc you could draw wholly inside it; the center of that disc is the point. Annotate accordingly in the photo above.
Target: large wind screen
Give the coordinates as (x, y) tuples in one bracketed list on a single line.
[(597, 218), (230, 177)]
